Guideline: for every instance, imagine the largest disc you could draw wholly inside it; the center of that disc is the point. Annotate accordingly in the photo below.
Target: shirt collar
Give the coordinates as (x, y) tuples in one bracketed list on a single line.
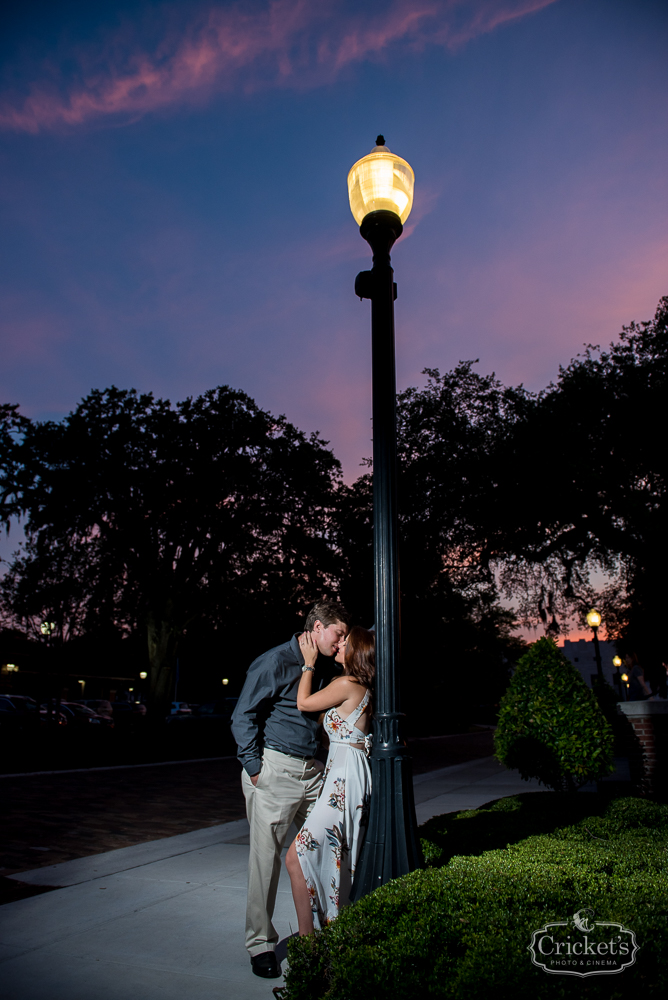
[(296, 649)]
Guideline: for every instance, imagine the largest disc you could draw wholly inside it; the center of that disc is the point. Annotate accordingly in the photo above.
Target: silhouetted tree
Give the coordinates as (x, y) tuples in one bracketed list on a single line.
[(457, 638), (158, 516), (585, 475)]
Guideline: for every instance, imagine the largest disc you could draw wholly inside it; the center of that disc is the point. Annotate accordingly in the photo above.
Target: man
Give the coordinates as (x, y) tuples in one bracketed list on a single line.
[(280, 778)]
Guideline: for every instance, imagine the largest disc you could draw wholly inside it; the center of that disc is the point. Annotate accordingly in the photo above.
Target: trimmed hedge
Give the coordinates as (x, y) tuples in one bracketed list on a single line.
[(550, 724), (462, 931)]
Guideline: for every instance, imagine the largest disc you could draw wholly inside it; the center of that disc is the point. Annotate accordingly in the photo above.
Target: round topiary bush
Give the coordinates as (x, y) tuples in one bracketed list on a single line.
[(550, 724)]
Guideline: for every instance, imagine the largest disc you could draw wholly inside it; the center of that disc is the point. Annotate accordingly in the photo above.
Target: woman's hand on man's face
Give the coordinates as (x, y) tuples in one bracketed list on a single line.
[(309, 649)]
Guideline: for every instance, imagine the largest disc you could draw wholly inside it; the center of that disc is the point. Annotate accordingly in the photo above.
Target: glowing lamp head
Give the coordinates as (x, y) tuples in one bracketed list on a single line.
[(226, 681), (46, 628), (625, 678), (617, 661), (381, 182), (143, 675), (593, 619)]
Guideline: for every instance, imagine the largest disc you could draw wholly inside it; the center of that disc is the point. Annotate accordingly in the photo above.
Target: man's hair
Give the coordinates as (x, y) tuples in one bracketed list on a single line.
[(327, 612)]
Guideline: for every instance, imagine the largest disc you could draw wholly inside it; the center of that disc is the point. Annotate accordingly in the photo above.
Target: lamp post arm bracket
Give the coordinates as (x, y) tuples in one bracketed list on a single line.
[(364, 286)]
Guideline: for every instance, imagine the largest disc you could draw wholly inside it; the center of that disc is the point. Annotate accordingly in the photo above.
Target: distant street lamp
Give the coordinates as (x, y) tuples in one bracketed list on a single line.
[(47, 629), (380, 188), (142, 675), (617, 662), (594, 620)]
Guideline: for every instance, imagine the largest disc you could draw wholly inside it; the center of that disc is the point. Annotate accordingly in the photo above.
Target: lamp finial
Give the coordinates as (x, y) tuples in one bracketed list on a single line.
[(380, 140)]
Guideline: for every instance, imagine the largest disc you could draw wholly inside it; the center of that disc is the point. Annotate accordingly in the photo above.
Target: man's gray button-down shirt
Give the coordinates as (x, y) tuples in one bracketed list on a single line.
[(266, 713)]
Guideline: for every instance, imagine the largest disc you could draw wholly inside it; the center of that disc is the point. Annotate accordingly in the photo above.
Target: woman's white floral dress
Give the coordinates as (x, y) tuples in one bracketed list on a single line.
[(329, 843)]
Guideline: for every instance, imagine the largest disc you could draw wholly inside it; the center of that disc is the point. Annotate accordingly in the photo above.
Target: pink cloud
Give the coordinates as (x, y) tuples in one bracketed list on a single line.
[(279, 43)]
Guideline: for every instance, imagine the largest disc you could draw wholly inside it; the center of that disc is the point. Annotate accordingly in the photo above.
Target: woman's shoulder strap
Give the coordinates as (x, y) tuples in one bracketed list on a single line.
[(356, 712)]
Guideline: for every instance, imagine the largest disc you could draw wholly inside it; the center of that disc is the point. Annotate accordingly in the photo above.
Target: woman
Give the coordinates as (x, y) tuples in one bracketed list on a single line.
[(321, 861)]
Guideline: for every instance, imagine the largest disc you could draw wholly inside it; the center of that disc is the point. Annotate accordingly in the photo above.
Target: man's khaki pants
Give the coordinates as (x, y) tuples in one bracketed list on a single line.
[(285, 791)]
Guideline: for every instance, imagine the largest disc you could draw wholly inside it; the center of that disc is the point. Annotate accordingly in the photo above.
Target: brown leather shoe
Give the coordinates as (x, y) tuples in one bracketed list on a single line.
[(266, 965)]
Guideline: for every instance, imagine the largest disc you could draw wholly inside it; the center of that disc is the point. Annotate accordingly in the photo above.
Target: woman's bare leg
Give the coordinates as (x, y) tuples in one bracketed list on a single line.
[(299, 891)]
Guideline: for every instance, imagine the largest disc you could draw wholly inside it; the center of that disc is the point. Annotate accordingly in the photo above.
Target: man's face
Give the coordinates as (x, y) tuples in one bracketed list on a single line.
[(328, 639)]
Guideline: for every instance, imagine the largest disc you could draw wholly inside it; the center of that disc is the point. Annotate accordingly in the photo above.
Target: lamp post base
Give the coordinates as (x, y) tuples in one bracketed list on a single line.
[(391, 847)]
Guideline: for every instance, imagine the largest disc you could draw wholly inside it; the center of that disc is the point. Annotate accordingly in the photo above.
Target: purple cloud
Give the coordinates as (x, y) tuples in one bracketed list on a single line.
[(283, 43)]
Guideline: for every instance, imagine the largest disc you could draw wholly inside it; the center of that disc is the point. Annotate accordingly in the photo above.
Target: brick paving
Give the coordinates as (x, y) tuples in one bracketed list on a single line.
[(52, 818)]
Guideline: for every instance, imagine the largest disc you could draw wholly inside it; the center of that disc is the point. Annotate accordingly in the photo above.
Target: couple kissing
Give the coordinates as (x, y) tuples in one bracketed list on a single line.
[(322, 676)]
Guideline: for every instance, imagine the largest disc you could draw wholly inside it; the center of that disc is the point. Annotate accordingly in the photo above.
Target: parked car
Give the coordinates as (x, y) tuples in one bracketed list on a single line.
[(84, 717), (221, 709), (180, 708), (10, 717), (53, 717), (99, 705), (128, 708), (23, 704), (27, 711)]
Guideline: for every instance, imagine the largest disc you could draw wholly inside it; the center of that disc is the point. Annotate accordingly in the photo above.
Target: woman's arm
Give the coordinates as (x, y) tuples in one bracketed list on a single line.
[(330, 697)]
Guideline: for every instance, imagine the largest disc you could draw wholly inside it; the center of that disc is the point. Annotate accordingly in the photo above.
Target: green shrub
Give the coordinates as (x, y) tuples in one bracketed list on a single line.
[(550, 724), (462, 931), (504, 822)]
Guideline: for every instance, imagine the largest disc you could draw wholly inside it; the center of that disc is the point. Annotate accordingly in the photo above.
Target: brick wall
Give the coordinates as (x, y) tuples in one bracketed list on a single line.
[(648, 750)]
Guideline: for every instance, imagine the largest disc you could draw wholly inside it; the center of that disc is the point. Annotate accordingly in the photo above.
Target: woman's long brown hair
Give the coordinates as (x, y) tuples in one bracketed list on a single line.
[(360, 658)]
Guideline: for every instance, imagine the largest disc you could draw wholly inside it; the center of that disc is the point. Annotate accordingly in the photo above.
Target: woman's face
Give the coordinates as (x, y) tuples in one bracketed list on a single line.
[(341, 651)]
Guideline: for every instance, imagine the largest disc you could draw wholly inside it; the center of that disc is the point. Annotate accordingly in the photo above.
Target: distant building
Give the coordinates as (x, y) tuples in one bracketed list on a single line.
[(581, 655)]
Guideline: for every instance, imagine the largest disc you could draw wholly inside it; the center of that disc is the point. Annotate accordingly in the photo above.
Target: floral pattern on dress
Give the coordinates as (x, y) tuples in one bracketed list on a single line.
[(336, 839), (306, 841), (337, 797), (312, 895), (334, 896)]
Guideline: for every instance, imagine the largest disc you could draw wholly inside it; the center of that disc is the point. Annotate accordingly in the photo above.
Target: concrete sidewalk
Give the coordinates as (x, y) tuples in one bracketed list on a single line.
[(166, 919)]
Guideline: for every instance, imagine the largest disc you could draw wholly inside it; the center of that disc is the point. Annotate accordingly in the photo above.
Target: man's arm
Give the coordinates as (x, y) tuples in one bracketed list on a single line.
[(258, 691)]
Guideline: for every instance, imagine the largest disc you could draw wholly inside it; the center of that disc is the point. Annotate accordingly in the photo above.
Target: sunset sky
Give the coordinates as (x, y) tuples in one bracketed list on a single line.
[(174, 204)]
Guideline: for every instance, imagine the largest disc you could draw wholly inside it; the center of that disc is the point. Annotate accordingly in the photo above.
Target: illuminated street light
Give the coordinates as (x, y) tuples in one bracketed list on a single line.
[(226, 680), (46, 628), (381, 182), (380, 188), (594, 620), (143, 675), (617, 662)]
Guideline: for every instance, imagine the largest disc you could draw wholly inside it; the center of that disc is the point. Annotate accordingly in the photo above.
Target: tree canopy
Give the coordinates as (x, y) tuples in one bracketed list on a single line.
[(155, 516)]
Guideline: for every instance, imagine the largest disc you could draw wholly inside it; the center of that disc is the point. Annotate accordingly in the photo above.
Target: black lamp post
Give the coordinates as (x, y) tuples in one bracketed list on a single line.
[(594, 620), (381, 196)]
